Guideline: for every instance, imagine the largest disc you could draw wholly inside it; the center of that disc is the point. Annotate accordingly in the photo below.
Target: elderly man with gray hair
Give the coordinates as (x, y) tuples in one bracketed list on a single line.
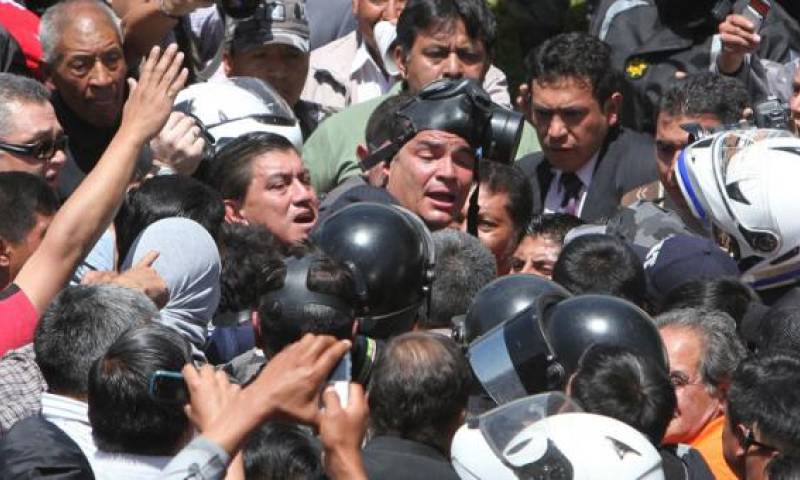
[(85, 69), (84, 66), (703, 350)]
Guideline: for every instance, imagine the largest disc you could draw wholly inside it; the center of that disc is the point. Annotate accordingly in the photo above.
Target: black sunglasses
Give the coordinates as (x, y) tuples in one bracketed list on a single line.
[(42, 150), (750, 441)]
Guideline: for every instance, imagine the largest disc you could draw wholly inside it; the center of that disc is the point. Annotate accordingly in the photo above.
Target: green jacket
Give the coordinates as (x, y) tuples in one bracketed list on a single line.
[(330, 152)]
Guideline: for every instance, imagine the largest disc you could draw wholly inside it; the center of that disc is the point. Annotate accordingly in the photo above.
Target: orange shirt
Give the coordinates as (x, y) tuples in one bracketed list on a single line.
[(709, 443)]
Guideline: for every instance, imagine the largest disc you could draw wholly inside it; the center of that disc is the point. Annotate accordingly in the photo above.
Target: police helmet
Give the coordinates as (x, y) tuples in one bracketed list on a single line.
[(539, 348), (502, 299), (393, 252)]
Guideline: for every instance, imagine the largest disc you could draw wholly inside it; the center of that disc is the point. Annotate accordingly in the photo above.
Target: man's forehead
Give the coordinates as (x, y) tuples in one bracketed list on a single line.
[(446, 30), (562, 90), (88, 28), (439, 137), (31, 118), (278, 162)]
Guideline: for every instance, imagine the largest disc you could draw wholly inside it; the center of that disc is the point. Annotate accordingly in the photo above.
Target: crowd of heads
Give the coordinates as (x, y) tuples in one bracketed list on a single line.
[(500, 280)]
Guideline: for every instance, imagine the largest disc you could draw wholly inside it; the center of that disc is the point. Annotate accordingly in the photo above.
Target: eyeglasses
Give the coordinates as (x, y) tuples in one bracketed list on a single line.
[(750, 441), (44, 149), (680, 380)]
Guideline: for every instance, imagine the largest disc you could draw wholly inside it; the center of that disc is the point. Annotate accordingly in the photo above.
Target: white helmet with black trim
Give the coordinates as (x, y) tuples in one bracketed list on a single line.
[(239, 105), (547, 436), (745, 183)]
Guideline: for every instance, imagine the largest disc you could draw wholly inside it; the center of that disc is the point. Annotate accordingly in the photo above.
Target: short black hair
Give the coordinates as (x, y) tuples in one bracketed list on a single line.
[(553, 226), (383, 125), (577, 56), (619, 383), (249, 255), (463, 267), (79, 326), (279, 327), (597, 263), (728, 295), (706, 93), (231, 171), (780, 329), (164, 197), (282, 451), (124, 418), (783, 467), (419, 389), (509, 179), (23, 196), (764, 393), (422, 15)]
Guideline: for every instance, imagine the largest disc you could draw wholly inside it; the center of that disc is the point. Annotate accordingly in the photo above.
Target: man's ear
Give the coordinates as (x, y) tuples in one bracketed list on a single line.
[(400, 60), (48, 77), (255, 320), (233, 211), (568, 388), (227, 64), (612, 109), (740, 432), (5, 254), (361, 154)]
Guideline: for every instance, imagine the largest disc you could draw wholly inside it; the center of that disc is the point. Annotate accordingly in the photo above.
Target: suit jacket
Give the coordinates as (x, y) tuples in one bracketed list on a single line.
[(394, 458), (626, 160)]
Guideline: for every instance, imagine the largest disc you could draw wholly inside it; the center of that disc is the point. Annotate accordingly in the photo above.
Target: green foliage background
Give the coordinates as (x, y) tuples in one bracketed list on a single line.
[(508, 52)]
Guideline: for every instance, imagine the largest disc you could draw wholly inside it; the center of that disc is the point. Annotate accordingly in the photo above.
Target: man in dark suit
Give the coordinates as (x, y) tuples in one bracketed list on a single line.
[(588, 161)]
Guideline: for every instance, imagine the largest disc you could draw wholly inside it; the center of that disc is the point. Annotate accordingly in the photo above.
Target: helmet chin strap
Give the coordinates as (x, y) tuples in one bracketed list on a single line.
[(474, 208)]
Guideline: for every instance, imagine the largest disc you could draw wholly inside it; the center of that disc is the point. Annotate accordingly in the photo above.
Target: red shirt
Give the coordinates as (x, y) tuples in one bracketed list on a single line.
[(23, 25), (18, 318)]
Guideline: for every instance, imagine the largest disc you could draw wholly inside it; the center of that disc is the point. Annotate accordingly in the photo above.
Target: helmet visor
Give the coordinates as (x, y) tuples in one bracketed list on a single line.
[(739, 192), (502, 426), (511, 360)]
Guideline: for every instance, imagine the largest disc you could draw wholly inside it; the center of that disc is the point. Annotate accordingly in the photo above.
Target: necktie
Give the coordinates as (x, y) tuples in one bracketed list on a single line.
[(571, 185)]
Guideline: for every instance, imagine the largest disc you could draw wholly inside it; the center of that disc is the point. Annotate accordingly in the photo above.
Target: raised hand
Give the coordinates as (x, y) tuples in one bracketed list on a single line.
[(738, 38), (150, 100), (179, 145), (291, 380), (341, 431)]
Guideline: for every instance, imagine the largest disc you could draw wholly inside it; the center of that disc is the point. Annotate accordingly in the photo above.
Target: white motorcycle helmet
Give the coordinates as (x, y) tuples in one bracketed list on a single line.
[(547, 437), (744, 183), (239, 105)]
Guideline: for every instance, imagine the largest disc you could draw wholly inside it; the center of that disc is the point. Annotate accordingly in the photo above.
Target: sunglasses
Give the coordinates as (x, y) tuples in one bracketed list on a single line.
[(750, 441), (42, 150)]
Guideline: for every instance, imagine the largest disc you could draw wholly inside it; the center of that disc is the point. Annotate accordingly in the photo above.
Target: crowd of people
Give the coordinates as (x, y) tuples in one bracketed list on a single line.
[(300, 239)]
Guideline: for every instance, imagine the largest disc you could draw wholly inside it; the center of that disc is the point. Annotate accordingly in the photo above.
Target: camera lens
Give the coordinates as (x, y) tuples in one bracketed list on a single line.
[(505, 131), (239, 8)]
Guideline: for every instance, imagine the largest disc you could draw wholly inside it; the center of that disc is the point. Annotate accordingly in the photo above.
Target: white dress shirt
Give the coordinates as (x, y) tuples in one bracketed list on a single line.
[(555, 194), (72, 416), (367, 80)]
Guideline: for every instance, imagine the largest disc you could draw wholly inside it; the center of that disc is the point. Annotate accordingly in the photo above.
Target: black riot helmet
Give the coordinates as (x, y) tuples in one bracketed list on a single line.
[(393, 252), (501, 300), (538, 350), (575, 324)]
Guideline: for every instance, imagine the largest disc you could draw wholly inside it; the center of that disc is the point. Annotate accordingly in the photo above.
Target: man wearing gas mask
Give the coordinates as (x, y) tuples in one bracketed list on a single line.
[(433, 146), (656, 41), (435, 39)]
